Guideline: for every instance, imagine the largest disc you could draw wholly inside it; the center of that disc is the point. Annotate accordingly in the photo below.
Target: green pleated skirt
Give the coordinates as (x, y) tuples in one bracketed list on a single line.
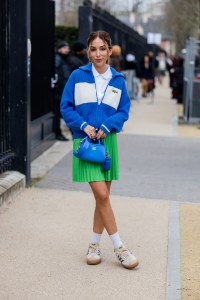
[(85, 171)]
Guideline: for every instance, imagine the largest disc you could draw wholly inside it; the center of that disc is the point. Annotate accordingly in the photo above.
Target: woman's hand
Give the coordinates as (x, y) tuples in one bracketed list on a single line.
[(100, 134), (90, 131)]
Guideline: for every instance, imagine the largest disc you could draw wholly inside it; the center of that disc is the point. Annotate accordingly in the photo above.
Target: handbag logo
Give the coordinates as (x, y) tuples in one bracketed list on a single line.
[(94, 148)]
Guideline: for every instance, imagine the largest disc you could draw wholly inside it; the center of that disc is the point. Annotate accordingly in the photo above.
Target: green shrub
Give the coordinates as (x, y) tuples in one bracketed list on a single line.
[(68, 34)]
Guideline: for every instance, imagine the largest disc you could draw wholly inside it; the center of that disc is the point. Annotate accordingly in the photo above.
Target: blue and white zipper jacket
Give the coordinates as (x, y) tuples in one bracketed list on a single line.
[(79, 104)]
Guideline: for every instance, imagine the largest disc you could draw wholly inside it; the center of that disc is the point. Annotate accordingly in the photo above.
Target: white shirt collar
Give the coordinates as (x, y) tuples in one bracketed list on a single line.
[(105, 75)]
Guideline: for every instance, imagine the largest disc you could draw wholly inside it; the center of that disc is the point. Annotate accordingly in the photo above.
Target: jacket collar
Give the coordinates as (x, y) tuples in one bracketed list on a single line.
[(106, 75), (88, 68)]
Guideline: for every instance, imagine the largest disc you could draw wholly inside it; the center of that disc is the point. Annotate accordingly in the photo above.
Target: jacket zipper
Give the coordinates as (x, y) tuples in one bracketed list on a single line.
[(99, 103)]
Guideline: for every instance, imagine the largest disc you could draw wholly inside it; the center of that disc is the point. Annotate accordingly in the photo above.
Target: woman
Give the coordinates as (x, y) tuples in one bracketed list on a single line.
[(116, 58), (95, 103), (147, 74)]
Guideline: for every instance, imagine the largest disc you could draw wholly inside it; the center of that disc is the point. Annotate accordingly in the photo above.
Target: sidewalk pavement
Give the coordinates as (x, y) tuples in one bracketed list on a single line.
[(45, 233)]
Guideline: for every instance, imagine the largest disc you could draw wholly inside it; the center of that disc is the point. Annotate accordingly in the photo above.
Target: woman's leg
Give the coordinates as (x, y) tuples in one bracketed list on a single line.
[(144, 86), (104, 216), (98, 226)]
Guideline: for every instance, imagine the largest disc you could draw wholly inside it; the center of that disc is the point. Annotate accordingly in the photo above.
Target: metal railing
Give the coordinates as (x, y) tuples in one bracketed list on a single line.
[(92, 18), (6, 154)]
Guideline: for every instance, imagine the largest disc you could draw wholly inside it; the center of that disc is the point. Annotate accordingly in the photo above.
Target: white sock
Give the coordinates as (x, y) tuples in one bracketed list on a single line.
[(115, 238), (96, 238)]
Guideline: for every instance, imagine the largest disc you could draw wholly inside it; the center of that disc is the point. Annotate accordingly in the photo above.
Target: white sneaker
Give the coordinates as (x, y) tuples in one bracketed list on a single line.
[(93, 254), (126, 257)]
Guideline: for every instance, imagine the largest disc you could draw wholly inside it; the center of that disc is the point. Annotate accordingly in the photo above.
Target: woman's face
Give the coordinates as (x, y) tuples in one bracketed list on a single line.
[(98, 53)]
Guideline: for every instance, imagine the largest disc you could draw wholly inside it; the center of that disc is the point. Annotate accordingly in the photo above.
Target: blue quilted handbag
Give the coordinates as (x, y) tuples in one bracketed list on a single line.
[(91, 150)]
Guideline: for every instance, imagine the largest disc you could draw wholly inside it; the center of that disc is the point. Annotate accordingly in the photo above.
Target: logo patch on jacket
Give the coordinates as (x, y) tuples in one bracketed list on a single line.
[(114, 91)]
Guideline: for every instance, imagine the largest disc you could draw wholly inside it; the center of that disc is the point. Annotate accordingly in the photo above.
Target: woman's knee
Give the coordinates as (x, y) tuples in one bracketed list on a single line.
[(102, 197), (101, 193)]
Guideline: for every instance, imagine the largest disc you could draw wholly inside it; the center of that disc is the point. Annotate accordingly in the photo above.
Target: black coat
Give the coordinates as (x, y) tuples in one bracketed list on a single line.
[(62, 68), (148, 73), (77, 61)]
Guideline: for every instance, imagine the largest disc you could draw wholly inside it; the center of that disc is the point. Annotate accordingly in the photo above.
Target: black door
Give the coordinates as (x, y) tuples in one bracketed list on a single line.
[(42, 73)]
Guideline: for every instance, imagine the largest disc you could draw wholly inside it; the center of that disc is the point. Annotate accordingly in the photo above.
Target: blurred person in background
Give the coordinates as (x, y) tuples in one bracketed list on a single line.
[(78, 56), (116, 58), (161, 66), (177, 76), (133, 74), (148, 73), (62, 69)]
